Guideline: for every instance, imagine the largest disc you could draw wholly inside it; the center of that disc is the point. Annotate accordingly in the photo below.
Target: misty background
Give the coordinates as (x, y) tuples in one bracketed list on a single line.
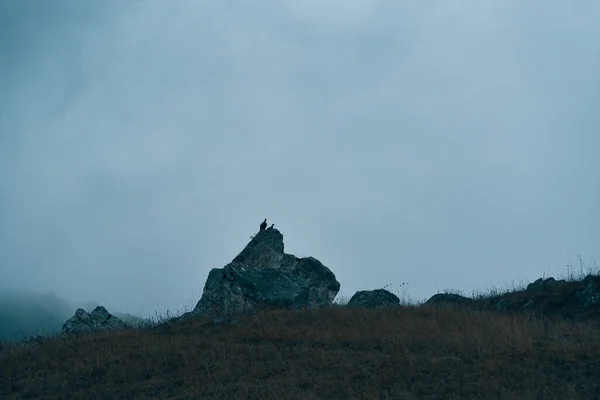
[(445, 145)]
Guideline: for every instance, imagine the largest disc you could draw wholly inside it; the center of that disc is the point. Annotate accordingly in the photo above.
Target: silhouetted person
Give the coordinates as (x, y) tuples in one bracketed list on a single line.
[(263, 226)]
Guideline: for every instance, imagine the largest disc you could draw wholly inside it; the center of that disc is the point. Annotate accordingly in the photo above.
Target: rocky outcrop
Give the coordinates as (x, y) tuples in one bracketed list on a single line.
[(379, 298), (577, 299), (544, 284), (98, 320), (264, 276), (448, 299), (568, 299)]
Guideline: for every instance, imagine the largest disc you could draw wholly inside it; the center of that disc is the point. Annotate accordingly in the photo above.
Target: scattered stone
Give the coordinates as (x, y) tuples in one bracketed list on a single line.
[(379, 298)]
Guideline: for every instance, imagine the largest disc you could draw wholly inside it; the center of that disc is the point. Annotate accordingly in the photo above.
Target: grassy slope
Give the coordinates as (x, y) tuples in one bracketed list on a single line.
[(334, 353)]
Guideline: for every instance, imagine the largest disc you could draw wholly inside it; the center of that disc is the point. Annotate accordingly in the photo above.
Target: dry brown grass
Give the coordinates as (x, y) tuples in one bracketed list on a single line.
[(335, 353)]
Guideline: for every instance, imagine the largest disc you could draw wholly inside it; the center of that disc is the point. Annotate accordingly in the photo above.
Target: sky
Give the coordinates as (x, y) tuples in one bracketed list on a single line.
[(421, 146)]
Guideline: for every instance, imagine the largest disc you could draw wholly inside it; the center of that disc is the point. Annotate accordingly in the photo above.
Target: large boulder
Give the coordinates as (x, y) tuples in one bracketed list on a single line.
[(264, 276), (379, 298), (98, 320)]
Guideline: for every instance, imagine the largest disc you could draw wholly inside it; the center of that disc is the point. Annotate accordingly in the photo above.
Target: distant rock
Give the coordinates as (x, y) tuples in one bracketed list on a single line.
[(543, 284), (379, 298), (98, 320), (448, 299), (263, 276)]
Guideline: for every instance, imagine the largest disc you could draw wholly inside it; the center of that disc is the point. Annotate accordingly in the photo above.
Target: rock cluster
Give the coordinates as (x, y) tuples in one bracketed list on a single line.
[(263, 276), (98, 320), (549, 297)]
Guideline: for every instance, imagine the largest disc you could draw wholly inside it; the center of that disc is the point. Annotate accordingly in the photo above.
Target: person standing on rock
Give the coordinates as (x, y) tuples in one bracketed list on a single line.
[(263, 226)]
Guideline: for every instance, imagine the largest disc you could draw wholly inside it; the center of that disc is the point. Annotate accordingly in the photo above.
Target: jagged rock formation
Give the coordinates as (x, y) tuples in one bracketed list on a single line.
[(263, 276), (379, 298), (98, 320)]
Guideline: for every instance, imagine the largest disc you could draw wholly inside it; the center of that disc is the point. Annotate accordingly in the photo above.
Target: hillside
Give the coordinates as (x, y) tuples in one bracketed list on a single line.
[(334, 353), (27, 314), (265, 328), (24, 314)]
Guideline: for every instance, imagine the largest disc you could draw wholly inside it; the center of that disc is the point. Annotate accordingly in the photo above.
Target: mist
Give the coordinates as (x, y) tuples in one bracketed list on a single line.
[(442, 145)]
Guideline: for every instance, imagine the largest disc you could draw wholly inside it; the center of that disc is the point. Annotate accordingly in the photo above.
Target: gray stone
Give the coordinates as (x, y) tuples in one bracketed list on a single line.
[(264, 276), (379, 298), (448, 299), (98, 320)]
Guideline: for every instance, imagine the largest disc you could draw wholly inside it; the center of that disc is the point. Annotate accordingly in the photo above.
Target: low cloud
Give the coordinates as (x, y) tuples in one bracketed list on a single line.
[(443, 145)]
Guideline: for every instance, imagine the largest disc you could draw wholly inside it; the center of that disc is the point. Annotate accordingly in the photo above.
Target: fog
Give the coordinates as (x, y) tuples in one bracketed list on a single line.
[(444, 145)]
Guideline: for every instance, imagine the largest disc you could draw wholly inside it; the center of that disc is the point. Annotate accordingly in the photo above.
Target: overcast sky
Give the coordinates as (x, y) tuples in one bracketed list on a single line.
[(445, 144)]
